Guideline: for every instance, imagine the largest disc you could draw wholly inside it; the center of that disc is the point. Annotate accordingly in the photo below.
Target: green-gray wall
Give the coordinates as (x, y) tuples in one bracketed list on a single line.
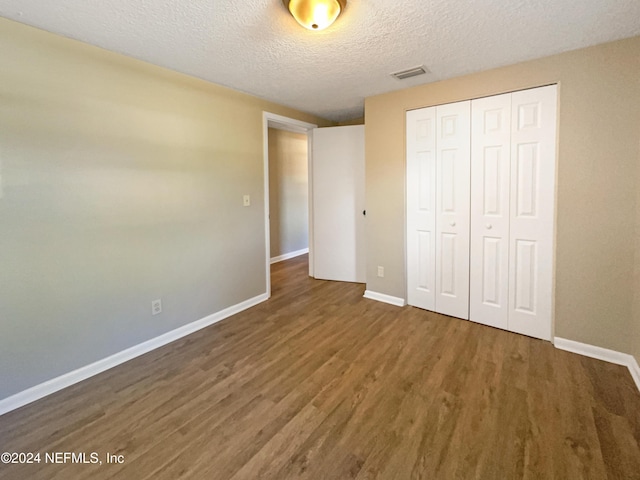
[(121, 182)]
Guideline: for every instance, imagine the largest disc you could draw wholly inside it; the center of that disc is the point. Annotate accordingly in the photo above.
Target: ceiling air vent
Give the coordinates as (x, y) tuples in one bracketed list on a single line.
[(412, 72)]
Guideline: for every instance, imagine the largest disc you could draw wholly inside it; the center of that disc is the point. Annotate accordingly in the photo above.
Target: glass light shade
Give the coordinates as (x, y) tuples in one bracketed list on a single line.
[(315, 14)]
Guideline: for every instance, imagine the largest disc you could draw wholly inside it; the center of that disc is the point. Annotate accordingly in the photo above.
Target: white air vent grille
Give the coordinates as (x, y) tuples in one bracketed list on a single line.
[(412, 72)]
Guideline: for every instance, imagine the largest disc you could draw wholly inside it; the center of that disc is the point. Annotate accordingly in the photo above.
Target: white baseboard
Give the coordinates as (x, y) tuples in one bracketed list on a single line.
[(287, 256), (384, 298), (634, 369), (600, 353), (55, 384)]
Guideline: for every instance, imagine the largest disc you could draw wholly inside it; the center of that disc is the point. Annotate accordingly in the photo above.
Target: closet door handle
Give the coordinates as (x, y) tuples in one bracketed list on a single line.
[(489, 226)]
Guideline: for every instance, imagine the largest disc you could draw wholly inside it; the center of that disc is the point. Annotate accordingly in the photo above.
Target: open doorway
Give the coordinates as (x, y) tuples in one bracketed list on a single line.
[(288, 194), (282, 137)]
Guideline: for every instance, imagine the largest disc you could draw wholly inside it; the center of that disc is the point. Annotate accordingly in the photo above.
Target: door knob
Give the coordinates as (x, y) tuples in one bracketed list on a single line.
[(453, 224), (488, 226)]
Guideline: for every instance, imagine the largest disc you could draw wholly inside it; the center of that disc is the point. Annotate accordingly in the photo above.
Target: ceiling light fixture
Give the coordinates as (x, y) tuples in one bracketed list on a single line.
[(315, 14)]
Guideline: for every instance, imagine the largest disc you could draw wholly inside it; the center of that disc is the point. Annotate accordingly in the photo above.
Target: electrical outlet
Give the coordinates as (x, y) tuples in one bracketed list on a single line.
[(156, 307), (380, 271), (246, 200)]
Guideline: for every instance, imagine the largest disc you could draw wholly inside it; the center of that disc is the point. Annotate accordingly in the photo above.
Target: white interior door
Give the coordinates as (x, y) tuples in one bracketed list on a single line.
[(533, 164), (453, 143), (421, 207), (338, 203), (490, 184)]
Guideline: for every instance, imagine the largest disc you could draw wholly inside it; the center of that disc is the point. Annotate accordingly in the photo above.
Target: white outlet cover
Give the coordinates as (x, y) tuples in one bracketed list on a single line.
[(156, 307)]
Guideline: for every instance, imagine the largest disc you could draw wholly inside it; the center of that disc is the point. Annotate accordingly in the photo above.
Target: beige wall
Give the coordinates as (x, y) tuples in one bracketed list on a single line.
[(599, 121), (288, 192), (121, 183), (354, 121)]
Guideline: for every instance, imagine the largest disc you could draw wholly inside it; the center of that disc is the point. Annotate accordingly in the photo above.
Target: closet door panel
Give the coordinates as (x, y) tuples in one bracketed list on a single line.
[(490, 184), (533, 165), (421, 207), (452, 209)]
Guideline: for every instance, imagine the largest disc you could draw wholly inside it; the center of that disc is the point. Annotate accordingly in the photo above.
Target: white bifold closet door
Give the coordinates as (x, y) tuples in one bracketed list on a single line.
[(531, 229), (490, 187), (421, 208), (438, 192), (512, 201), (480, 209)]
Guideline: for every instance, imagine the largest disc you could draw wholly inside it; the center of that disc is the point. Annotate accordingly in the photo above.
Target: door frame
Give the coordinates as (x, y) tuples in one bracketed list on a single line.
[(279, 122)]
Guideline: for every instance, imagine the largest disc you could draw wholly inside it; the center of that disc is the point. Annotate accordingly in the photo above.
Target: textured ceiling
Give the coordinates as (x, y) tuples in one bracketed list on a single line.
[(255, 46)]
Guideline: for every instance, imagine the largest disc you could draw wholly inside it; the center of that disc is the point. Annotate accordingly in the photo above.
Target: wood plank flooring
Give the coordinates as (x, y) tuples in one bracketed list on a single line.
[(320, 383)]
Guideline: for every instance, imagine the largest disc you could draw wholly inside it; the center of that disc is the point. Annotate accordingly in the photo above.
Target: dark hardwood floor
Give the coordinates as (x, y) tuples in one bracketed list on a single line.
[(320, 383)]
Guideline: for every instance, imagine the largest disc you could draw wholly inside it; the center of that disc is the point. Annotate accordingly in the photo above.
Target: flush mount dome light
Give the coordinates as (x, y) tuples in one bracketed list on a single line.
[(315, 14)]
